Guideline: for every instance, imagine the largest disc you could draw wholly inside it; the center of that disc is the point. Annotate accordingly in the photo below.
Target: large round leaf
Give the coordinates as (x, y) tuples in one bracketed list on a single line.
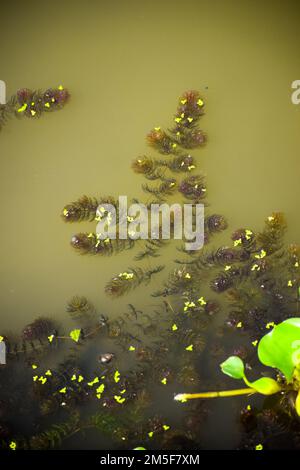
[(276, 349)]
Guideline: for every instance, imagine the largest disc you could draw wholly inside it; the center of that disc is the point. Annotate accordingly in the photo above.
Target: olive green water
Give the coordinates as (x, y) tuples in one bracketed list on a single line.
[(125, 64)]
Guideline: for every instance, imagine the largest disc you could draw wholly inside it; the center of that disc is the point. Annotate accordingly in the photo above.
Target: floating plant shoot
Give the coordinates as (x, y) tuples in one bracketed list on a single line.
[(279, 349), (33, 103)]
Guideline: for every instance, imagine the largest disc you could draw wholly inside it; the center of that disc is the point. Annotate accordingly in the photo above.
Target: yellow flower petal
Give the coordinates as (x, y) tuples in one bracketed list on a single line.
[(117, 376)]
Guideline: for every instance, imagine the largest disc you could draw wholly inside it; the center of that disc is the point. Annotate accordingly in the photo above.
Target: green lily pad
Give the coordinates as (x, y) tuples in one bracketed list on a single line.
[(277, 348), (234, 367)]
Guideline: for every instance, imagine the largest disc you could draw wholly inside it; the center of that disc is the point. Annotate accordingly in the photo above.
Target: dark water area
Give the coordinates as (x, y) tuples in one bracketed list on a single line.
[(127, 66)]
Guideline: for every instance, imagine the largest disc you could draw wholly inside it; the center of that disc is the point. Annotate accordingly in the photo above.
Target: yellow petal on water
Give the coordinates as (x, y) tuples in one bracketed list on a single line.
[(164, 381), (73, 377), (47, 105), (150, 434), (190, 347), (190, 119), (93, 382), (183, 101), (261, 255), (237, 242), (35, 378), (119, 399), (60, 87), (200, 102), (75, 335), (1, 338), (100, 389), (202, 301), (248, 407), (290, 283), (255, 267), (12, 445), (188, 276), (131, 348), (178, 119), (166, 427), (227, 268), (50, 338), (117, 376), (296, 264), (254, 343), (33, 112), (22, 108), (80, 378), (48, 372), (239, 325), (157, 128), (259, 447), (34, 366), (174, 327), (123, 391), (63, 390)]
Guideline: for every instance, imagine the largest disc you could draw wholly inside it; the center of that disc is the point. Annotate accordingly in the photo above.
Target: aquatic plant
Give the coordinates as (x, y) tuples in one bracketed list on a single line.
[(130, 279), (92, 244), (193, 187), (279, 349), (167, 187), (254, 280), (79, 305), (33, 103), (39, 329)]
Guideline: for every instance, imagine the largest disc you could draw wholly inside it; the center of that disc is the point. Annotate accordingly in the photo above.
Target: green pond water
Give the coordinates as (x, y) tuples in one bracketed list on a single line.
[(125, 64)]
